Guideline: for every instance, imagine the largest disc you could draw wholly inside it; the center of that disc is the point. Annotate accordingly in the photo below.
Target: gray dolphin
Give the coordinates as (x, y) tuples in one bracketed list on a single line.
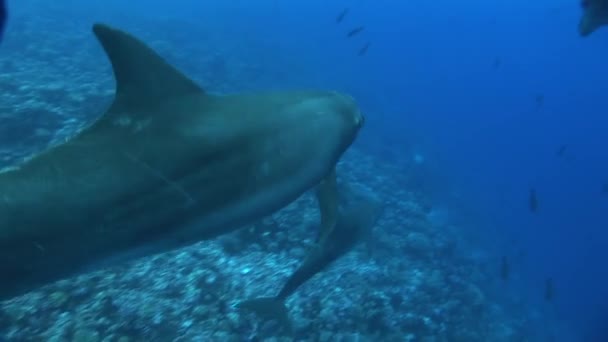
[(166, 166), (357, 215), (595, 15)]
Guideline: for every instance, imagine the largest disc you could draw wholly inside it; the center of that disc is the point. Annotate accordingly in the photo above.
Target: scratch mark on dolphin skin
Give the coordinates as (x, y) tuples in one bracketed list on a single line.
[(39, 247), (189, 199)]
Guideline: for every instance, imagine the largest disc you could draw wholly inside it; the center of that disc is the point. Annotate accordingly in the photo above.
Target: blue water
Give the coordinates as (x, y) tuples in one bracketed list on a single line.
[(453, 83), (493, 141)]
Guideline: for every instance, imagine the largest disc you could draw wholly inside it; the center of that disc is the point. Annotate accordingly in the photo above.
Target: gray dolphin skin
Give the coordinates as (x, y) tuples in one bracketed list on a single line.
[(595, 15), (166, 166), (357, 216)]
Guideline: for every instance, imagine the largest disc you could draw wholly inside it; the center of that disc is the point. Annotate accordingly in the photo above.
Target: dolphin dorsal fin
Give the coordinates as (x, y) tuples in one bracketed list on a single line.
[(143, 78)]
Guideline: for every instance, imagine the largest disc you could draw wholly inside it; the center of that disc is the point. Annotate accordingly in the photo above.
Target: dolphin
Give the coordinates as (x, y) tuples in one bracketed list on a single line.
[(3, 16), (166, 166), (358, 214), (595, 15)]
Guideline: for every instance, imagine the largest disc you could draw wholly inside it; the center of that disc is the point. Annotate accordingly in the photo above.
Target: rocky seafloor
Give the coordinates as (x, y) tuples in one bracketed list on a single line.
[(418, 283)]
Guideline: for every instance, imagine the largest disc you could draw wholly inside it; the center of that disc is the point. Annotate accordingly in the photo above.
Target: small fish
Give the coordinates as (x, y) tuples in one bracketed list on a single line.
[(549, 289), (341, 16), (505, 269), (355, 31), (533, 201), (540, 100), (363, 50), (562, 150), (3, 16), (497, 63)]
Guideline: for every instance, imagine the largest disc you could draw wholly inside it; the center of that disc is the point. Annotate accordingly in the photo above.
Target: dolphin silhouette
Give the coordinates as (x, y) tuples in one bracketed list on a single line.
[(595, 15), (166, 166), (3, 16)]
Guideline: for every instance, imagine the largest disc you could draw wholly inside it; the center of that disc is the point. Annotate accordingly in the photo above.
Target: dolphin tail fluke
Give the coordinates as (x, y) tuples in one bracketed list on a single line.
[(269, 308)]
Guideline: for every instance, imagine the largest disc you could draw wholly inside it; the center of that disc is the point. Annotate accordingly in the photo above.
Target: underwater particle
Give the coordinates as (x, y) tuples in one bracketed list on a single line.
[(505, 268), (549, 289), (418, 158), (533, 201), (355, 31), (363, 50), (341, 15)]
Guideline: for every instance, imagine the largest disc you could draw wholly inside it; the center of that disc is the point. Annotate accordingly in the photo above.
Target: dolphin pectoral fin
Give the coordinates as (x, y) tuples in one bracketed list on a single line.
[(327, 196), (269, 308), (143, 78)]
